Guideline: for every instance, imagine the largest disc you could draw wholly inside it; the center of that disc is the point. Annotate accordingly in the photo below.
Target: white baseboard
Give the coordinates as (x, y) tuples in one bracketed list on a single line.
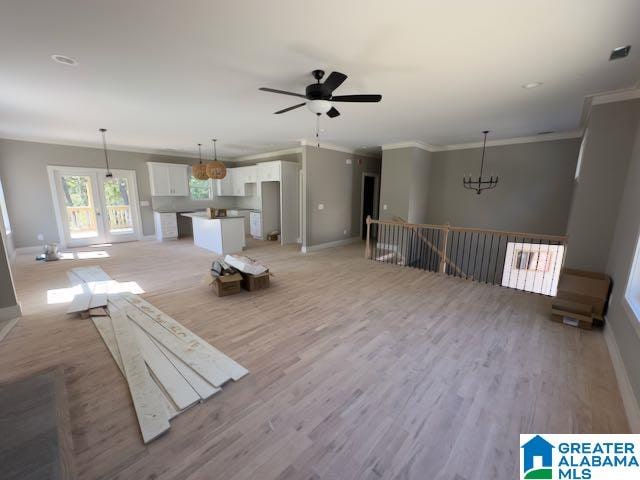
[(337, 243), (37, 249), (8, 313), (148, 237), (629, 400)]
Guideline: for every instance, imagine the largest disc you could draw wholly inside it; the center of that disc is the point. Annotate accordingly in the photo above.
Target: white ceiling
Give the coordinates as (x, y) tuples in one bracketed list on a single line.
[(167, 74)]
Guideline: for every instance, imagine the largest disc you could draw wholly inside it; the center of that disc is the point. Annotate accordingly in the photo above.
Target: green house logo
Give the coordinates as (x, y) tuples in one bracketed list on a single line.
[(538, 448)]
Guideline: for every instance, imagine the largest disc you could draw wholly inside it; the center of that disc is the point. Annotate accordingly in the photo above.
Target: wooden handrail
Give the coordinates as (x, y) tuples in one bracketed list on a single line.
[(536, 236)]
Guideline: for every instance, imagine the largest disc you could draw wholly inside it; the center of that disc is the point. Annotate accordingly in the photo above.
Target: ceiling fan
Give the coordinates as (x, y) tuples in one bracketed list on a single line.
[(319, 96)]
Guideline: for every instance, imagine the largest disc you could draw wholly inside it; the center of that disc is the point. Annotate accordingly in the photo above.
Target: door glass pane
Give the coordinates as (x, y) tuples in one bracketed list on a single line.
[(78, 199), (116, 195)]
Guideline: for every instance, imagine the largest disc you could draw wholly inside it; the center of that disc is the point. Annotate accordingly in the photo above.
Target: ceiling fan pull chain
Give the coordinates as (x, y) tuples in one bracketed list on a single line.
[(318, 129)]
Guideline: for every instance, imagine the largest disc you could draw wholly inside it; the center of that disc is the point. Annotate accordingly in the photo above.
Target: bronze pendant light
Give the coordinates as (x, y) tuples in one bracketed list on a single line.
[(104, 147), (216, 168), (199, 171), (480, 184)]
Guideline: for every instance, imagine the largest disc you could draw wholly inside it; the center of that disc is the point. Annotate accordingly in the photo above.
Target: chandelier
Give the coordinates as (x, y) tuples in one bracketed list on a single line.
[(481, 183)]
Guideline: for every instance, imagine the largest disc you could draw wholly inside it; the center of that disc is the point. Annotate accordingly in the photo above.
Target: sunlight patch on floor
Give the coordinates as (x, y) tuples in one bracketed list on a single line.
[(65, 295)]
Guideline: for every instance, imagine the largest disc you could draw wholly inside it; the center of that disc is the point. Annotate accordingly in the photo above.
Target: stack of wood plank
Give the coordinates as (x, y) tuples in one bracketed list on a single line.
[(167, 367)]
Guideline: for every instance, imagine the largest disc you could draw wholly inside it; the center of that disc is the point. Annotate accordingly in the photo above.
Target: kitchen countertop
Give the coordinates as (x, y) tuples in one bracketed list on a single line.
[(206, 217)]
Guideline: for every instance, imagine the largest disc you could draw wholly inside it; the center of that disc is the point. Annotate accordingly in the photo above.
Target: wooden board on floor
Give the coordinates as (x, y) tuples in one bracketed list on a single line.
[(105, 329), (80, 303), (199, 384), (152, 416), (232, 368), (98, 300), (196, 359), (168, 377)]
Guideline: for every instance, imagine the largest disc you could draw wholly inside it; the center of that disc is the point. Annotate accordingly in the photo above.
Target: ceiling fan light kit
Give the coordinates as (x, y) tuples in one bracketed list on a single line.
[(319, 97), (216, 169), (481, 183)]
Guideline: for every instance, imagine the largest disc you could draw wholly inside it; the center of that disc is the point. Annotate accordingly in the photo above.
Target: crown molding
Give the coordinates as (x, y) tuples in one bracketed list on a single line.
[(547, 137), (615, 96), (423, 146), (338, 148), (277, 153), (115, 148)]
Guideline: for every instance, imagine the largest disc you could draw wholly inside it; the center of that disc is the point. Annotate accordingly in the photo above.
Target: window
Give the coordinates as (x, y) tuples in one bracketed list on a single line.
[(632, 295), (5, 213), (199, 189)]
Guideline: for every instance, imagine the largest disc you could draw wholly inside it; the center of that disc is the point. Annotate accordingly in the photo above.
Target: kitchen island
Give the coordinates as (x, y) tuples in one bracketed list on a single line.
[(221, 235)]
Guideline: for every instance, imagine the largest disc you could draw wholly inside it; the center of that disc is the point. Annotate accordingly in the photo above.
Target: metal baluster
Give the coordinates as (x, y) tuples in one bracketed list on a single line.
[(490, 254), (484, 245), (505, 261), (535, 277), (423, 248), (555, 262), (518, 265), (495, 267)]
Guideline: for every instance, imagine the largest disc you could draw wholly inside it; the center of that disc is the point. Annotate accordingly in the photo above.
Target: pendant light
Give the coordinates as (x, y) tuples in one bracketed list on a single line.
[(104, 147), (199, 171), (216, 169), (481, 183)]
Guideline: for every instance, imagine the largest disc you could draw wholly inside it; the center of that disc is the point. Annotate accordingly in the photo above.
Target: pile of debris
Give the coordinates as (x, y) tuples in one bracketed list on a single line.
[(167, 367), (236, 272)]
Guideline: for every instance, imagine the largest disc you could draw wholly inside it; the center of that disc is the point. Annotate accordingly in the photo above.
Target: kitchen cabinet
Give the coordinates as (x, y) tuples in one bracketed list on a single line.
[(225, 186), (166, 226), (269, 172), (168, 179), (255, 224)]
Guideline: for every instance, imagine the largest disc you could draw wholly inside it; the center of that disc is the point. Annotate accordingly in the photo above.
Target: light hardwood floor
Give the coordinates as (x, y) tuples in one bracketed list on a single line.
[(357, 370)]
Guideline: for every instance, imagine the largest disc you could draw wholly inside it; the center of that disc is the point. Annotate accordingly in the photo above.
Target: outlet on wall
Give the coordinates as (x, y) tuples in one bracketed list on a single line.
[(384, 207), (349, 161), (40, 237), (321, 206), (345, 232)]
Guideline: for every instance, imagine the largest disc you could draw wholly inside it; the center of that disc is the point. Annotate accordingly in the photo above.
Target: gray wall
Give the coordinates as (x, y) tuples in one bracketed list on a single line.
[(330, 181), (23, 168), (397, 166), (533, 194), (605, 159), (625, 328)]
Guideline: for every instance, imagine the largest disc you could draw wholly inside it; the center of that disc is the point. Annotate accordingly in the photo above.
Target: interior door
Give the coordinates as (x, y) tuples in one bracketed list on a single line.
[(80, 210), (119, 217)]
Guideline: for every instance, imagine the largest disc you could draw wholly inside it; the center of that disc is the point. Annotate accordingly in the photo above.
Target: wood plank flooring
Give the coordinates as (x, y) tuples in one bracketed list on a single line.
[(358, 370)]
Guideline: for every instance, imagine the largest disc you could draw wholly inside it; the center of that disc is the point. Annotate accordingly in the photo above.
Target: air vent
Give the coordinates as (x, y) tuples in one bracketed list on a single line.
[(619, 52), (546, 132)]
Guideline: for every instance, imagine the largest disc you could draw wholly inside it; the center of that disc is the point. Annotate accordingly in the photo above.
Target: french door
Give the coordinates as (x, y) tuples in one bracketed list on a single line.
[(93, 208)]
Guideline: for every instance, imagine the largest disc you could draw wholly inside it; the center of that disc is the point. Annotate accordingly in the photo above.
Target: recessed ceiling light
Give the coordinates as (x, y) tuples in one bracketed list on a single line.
[(65, 60), (619, 52), (531, 85)]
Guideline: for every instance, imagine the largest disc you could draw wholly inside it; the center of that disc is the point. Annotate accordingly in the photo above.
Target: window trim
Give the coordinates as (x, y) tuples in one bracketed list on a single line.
[(209, 198), (632, 289)]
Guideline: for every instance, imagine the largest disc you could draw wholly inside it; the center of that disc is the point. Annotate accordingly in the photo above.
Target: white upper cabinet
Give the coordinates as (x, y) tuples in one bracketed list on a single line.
[(225, 186), (169, 179), (269, 172)]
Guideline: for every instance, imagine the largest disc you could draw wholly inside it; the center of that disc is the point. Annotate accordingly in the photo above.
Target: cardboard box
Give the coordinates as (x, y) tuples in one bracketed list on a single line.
[(587, 288), (227, 284), (255, 282)]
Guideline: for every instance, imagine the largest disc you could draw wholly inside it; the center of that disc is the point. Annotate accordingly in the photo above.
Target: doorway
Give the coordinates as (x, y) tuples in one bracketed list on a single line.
[(93, 208), (369, 200)]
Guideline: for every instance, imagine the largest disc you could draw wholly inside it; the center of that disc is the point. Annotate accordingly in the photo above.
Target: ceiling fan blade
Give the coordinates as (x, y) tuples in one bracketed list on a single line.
[(273, 90), (334, 80), (290, 108), (333, 112), (357, 98)]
